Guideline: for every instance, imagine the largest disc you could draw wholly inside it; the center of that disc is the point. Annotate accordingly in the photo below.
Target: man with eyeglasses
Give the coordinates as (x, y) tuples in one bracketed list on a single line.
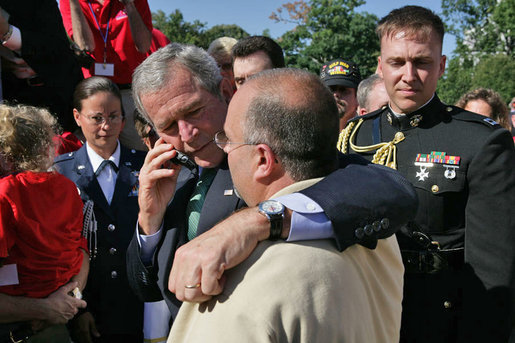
[(274, 123), (179, 90)]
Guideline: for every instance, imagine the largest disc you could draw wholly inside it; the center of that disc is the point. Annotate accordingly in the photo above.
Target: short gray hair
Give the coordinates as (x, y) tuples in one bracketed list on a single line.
[(159, 68), (302, 130), (365, 88)]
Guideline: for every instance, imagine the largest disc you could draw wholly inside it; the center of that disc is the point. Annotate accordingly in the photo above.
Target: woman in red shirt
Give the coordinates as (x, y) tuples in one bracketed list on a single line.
[(41, 243)]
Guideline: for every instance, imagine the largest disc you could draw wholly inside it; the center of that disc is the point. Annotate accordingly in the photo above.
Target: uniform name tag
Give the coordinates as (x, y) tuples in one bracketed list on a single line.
[(104, 69), (9, 275)]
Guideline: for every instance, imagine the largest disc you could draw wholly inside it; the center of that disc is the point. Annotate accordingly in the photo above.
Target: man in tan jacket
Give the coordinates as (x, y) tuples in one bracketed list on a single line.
[(280, 136)]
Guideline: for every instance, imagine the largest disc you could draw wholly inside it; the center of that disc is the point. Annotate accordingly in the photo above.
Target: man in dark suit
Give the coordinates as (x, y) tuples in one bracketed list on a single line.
[(459, 252), (38, 66), (106, 173), (180, 91)]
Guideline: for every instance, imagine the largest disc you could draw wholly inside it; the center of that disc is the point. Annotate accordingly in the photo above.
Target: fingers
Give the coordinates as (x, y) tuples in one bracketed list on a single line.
[(70, 286), (194, 265), (159, 157), (78, 303)]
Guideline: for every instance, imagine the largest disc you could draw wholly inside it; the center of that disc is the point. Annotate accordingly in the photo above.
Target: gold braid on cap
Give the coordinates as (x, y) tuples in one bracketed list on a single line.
[(386, 153)]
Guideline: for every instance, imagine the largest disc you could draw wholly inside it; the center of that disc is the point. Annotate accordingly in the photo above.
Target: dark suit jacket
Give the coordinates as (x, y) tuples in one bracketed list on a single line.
[(110, 299), (357, 195), (46, 49)]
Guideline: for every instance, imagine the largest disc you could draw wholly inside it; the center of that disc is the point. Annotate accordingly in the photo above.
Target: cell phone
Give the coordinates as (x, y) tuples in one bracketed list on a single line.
[(184, 160)]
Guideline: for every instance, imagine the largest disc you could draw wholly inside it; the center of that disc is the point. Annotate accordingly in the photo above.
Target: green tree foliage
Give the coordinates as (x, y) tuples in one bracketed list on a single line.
[(491, 69), (328, 29), (178, 30), (485, 47), (481, 26), (456, 81)]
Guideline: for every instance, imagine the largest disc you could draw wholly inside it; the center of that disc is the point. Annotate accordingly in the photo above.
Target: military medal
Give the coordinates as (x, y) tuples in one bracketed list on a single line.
[(451, 163), (423, 173), (450, 173)]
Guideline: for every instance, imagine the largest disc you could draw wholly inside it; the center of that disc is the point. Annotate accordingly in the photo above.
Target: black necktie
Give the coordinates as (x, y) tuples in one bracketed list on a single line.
[(104, 164)]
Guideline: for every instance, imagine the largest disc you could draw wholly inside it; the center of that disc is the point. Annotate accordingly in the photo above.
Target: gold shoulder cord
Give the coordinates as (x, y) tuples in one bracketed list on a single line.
[(386, 153)]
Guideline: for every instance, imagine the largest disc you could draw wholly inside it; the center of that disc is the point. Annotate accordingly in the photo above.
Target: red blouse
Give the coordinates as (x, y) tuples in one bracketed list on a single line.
[(40, 231)]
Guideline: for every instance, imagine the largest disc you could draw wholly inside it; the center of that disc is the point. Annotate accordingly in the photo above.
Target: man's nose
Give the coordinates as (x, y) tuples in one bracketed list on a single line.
[(410, 72), (187, 131)]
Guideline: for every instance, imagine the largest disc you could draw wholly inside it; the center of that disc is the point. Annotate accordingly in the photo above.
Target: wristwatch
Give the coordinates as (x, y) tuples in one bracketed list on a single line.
[(274, 211)]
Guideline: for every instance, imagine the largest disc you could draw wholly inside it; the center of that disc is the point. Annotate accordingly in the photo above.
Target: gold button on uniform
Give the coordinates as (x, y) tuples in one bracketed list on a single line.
[(435, 189), (447, 304)]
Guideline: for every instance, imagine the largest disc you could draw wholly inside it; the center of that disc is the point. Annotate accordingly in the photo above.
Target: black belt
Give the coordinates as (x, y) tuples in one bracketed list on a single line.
[(432, 261), (123, 86)]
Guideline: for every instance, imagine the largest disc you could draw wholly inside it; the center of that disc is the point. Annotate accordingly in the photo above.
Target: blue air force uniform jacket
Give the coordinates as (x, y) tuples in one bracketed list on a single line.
[(115, 307)]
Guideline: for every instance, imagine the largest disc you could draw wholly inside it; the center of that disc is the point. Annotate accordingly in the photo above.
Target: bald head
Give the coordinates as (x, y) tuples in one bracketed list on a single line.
[(295, 114)]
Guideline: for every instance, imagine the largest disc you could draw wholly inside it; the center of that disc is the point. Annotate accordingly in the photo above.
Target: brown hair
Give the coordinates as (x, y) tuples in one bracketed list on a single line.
[(93, 85), (414, 21), (26, 134), (499, 109)]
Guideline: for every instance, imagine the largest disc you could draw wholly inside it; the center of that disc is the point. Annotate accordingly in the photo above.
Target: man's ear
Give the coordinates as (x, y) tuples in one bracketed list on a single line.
[(442, 65), (267, 162), (226, 90)]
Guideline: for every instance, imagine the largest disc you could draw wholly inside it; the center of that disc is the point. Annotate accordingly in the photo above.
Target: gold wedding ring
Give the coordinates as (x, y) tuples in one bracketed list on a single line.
[(197, 285)]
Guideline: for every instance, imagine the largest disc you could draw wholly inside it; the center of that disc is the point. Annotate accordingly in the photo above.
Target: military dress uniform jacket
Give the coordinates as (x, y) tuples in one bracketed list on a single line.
[(459, 252), (115, 307), (365, 202)]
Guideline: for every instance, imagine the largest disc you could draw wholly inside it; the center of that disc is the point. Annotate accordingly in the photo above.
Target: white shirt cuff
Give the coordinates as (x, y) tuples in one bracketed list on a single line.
[(14, 42)]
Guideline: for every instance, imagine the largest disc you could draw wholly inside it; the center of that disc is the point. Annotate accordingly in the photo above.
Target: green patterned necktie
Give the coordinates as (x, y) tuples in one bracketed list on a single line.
[(197, 200)]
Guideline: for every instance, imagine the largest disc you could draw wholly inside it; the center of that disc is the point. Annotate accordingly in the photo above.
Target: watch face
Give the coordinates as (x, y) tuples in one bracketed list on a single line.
[(271, 207)]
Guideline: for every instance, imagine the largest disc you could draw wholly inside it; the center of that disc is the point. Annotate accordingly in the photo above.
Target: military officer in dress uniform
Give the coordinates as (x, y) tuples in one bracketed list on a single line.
[(459, 252), (106, 173)]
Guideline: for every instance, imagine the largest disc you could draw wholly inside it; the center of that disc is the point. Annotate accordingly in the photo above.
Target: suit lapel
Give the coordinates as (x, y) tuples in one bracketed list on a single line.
[(220, 201)]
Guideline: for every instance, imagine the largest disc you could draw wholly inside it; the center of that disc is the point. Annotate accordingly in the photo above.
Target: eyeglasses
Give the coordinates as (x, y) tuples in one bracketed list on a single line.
[(101, 120), (222, 141)]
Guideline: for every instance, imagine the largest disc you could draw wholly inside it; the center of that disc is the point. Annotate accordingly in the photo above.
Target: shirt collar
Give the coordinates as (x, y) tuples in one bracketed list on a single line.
[(95, 159)]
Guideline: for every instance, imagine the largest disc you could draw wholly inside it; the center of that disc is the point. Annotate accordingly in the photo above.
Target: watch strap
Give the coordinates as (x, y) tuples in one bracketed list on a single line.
[(276, 227)]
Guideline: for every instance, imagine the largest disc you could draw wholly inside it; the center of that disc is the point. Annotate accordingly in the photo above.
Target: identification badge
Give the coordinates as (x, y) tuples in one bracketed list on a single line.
[(104, 69), (9, 275)]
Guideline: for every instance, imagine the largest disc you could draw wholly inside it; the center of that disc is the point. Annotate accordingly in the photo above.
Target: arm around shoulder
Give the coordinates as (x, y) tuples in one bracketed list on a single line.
[(364, 202)]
